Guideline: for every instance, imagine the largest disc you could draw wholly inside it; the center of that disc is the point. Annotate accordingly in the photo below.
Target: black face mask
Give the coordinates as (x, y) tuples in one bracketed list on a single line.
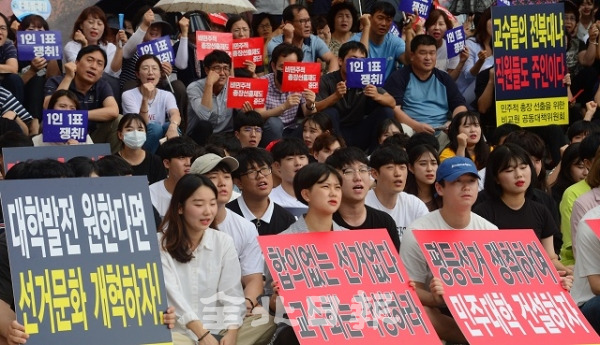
[(279, 76)]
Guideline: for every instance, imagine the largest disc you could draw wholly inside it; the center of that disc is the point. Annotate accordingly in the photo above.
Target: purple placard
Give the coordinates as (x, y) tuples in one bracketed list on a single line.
[(503, 3), (394, 30), (455, 41), (31, 44), (361, 72), (160, 47), (62, 125), (422, 6)]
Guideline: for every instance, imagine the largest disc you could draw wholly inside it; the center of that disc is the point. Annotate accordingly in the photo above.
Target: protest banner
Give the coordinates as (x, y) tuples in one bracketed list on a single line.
[(241, 90), (298, 76), (455, 41), (32, 44), (362, 72), (529, 58), (250, 49), (62, 125), (421, 6), (207, 41), (23, 8), (160, 47), (84, 261), (502, 288), (14, 155), (346, 287)]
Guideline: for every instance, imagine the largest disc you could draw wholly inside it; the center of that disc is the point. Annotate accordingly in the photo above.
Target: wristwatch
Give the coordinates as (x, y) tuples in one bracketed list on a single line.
[(313, 107)]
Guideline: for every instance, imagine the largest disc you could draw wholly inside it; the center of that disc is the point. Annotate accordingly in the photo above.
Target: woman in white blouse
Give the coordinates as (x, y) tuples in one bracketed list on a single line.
[(201, 268)]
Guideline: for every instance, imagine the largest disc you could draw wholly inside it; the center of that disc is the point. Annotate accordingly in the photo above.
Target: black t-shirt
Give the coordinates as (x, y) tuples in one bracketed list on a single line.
[(375, 220), (532, 215), (6, 293), (280, 220)]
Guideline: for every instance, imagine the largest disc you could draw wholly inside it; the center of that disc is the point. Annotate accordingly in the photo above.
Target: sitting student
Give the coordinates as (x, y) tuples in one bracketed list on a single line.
[(326, 144), (389, 167), (580, 129), (353, 165), (356, 112), (423, 163), (255, 181), (573, 171), (386, 129), (84, 167), (12, 109), (289, 156), (177, 155), (313, 126), (466, 139), (194, 255), (457, 184), (207, 110), (132, 133), (248, 127), (218, 170)]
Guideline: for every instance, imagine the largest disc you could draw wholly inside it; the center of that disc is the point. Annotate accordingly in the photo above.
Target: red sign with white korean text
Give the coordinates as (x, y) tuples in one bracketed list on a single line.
[(502, 288), (240, 90), (298, 76), (248, 49), (346, 287), (207, 41)]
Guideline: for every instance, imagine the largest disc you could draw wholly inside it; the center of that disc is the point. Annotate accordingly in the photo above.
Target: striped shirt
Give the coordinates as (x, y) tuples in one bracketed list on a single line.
[(9, 102)]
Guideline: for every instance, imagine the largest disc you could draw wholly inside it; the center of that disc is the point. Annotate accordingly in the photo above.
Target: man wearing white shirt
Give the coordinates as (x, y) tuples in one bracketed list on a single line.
[(289, 156)]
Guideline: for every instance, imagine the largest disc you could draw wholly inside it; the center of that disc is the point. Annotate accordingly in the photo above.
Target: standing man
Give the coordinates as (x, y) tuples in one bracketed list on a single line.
[(297, 31), (83, 77), (356, 112), (425, 96)]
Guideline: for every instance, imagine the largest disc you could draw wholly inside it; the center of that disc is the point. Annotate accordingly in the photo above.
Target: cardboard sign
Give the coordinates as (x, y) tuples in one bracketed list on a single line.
[(85, 264), (394, 30), (298, 76), (503, 3), (455, 41), (250, 49), (62, 125), (207, 41), (362, 72), (529, 58), (502, 288), (14, 155), (241, 90), (160, 47), (346, 287), (23, 8), (32, 44), (421, 6)]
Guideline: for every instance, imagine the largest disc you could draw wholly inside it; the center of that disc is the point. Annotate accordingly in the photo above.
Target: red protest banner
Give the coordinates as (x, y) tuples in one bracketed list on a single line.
[(240, 90), (248, 49), (207, 41), (594, 225), (505, 290), (298, 76), (346, 287)]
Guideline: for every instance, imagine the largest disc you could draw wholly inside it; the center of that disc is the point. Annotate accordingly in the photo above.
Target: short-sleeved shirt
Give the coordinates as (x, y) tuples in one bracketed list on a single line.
[(158, 109), (8, 51), (374, 219), (244, 236), (391, 49), (8, 102), (353, 106), (273, 221), (407, 209), (428, 101), (588, 259), (313, 47)]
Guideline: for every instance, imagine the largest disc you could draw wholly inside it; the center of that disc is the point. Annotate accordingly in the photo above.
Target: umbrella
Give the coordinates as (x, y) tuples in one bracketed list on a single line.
[(209, 6), (469, 6)]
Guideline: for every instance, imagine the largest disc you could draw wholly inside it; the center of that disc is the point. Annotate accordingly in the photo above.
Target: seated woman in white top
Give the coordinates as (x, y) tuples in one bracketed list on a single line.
[(157, 107), (200, 267)]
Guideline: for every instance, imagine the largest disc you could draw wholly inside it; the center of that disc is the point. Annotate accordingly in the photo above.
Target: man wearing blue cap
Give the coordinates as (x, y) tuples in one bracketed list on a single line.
[(457, 184)]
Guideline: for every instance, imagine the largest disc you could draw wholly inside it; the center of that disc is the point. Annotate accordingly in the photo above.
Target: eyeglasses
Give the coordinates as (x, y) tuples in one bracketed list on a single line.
[(240, 30), (250, 129), (351, 172), (220, 69), (264, 26), (303, 21), (266, 171), (3, 28)]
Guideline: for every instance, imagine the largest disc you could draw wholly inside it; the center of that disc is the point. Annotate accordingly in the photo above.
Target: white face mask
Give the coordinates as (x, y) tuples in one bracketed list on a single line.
[(134, 139)]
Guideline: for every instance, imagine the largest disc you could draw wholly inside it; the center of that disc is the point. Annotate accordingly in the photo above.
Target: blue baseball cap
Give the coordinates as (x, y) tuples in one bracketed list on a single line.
[(453, 168)]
